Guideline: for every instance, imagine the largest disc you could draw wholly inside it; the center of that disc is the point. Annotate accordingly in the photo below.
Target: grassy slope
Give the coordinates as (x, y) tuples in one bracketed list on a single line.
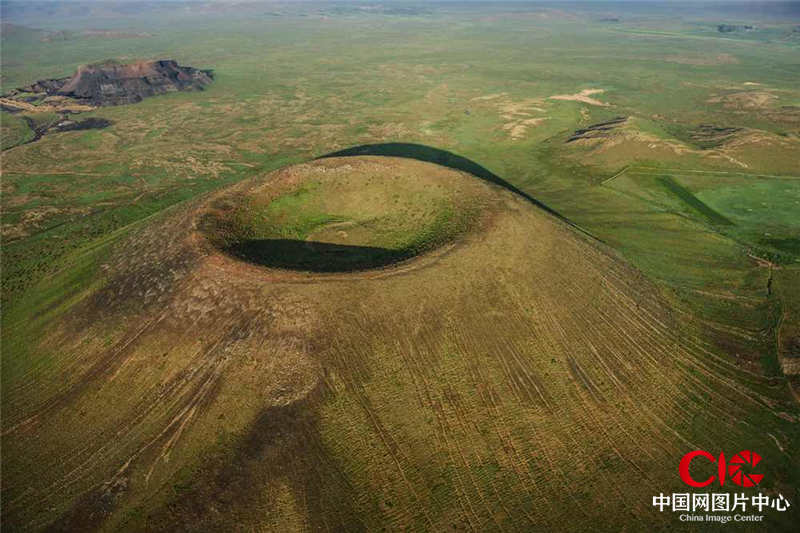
[(503, 386), (13, 131), (279, 99), (787, 281)]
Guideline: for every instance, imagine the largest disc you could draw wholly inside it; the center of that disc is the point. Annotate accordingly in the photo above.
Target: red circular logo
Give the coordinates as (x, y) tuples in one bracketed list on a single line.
[(736, 473)]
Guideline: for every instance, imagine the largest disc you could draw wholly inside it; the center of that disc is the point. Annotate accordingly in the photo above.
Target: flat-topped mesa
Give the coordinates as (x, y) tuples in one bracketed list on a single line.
[(114, 83), (111, 83)]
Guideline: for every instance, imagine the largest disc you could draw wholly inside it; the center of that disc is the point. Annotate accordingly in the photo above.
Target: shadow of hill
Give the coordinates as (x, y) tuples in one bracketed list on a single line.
[(315, 256), (444, 158)]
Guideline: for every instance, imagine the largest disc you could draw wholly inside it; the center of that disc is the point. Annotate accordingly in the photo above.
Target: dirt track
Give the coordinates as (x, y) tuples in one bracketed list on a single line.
[(519, 378)]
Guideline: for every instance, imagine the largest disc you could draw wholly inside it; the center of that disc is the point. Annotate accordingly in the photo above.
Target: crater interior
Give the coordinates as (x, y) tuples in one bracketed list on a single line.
[(346, 214)]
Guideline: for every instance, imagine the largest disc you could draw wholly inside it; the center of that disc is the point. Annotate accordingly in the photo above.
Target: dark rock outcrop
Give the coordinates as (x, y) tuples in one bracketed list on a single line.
[(598, 130), (730, 28), (113, 83), (91, 123), (45, 86), (99, 84)]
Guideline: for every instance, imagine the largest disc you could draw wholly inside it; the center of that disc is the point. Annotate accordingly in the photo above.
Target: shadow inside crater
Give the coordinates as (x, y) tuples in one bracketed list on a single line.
[(444, 158), (312, 256)]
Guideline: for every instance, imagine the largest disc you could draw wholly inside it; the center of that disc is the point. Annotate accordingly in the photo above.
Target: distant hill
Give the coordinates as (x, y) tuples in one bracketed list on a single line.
[(113, 83)]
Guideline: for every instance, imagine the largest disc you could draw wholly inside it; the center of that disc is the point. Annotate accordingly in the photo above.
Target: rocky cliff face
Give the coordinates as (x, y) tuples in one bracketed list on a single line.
[(112, 83)]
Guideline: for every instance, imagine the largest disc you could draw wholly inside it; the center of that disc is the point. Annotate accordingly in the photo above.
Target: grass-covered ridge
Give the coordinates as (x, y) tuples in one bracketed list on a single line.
[(348, 214)]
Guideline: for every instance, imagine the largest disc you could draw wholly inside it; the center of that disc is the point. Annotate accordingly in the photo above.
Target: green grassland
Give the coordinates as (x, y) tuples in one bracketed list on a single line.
[(13, 131), (713, 223)]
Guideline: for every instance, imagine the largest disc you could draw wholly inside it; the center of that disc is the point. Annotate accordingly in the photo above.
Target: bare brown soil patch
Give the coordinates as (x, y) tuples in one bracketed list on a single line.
[(51, 104), (745, 100), (719, 59), (584, 96), (519, 116), (96, 34), (518, 129)]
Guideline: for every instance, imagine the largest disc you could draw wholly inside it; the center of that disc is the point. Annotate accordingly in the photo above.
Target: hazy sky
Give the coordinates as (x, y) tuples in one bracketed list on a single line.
[(699, 2)]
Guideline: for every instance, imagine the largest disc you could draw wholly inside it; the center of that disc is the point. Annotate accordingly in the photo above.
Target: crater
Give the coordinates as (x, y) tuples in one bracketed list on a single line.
[(345, 214)]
